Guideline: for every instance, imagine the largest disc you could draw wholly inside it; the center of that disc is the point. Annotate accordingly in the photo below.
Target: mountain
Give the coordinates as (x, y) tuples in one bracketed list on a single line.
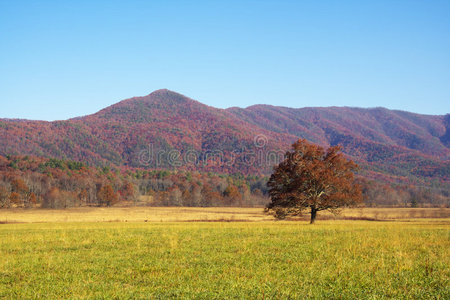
[(168, 130), (169, 124), (393, 142), (333, 125)]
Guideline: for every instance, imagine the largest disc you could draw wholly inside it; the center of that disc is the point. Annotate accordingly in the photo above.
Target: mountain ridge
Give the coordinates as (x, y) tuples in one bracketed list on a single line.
[(165, 90), (391, 142)]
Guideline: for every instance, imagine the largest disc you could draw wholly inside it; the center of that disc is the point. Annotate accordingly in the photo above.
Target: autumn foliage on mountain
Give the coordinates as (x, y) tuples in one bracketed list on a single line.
[(396, 150)]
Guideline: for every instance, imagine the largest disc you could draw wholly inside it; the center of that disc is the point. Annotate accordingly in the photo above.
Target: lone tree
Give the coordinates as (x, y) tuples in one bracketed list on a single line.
[(313, 178)]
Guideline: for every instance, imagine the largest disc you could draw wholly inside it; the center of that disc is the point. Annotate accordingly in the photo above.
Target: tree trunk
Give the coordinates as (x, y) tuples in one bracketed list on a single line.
[(313, 215)]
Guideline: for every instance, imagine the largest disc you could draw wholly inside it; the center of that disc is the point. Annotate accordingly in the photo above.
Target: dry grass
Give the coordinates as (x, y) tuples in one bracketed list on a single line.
[(204, 214), (387, 214), (133, 214)]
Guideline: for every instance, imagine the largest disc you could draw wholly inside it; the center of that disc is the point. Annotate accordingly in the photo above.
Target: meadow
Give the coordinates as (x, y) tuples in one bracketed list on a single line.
[(181, 253), (205, 214)]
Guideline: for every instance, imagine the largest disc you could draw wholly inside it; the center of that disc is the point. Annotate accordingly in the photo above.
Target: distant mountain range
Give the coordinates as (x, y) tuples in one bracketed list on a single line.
[(168, 130)]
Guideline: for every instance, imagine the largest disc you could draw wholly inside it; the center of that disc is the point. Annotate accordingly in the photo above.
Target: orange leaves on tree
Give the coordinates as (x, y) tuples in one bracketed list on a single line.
[(313, 178)]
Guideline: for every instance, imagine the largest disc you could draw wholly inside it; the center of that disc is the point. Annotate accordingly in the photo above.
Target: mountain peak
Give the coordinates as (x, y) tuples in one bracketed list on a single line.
[(159, 103), (168, 96), (162, 92)]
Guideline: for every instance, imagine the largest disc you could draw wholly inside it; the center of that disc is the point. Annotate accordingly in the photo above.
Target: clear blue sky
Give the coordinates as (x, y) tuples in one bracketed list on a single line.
[(61, 59)]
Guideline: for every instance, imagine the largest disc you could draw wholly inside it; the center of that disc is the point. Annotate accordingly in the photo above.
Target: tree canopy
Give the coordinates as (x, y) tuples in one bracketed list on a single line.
[(312, 178)]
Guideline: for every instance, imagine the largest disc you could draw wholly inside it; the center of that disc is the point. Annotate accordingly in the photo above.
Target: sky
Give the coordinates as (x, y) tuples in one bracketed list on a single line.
[(62, 59)]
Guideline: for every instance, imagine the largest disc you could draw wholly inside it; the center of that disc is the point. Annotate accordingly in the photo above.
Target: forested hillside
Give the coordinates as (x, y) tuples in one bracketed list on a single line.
[(166, 130), (28, 181)]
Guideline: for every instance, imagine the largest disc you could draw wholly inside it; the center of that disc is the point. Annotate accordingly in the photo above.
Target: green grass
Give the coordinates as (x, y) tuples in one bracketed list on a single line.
[(332, 259)]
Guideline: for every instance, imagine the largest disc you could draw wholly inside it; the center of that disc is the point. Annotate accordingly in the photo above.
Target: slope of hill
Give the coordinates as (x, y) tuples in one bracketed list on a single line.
[(168, 130), (401, 144), (333, 125), (176, 129)]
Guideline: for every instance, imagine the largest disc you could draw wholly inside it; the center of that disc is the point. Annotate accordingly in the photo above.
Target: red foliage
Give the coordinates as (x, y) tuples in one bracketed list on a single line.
[(311, 178), (390, 146), (14, 198), (107, 196)]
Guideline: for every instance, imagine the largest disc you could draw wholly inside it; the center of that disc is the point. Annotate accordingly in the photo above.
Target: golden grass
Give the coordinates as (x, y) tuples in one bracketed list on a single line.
[(204, 214)]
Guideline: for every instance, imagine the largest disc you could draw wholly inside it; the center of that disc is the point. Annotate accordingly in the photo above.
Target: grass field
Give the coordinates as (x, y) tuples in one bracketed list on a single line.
[(204, 214), (333, 259)]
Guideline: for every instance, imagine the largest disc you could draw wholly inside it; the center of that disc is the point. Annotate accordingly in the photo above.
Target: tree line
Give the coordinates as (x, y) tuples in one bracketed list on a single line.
[(29, 181)]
